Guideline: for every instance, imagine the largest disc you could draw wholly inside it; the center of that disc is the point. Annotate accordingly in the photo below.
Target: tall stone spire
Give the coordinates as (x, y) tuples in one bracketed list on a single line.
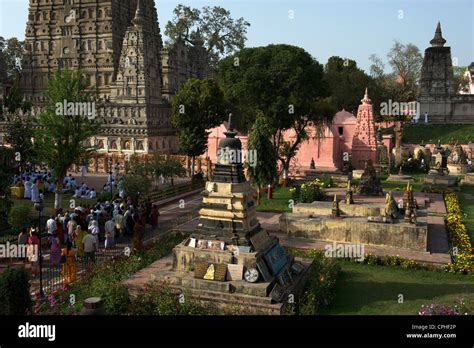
[(438, 40), (139, 15)]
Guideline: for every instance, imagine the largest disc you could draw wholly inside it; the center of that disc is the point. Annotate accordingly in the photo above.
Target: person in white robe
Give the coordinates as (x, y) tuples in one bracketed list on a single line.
[(35, 194), (27, 186)]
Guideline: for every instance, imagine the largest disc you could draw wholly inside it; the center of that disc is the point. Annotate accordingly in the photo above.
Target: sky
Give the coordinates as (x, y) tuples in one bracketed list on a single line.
[(352, 29)]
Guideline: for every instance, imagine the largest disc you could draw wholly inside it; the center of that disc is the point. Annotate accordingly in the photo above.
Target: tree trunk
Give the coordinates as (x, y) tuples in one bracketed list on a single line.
[(285, 171), (58, 195), (193, 162), (258, 195)]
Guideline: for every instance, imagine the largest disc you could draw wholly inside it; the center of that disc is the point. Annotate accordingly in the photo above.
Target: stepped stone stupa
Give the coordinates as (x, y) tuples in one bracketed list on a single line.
[(230, 260)]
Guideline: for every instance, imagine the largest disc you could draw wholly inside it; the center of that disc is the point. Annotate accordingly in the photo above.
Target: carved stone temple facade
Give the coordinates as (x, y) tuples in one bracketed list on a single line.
[(118, 44), (437, 94)]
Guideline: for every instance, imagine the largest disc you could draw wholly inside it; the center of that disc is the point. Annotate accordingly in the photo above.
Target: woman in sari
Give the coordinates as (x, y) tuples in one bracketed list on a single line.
[(69, 267), (55, 251), (33, 252), (80, 233)]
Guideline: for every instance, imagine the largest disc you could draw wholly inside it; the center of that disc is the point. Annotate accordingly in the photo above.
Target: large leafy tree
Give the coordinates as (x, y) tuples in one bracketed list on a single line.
[(461, 82), (165, 167), (347, 83), (19, 135), (136, 181), (264, 172), (405, 61), (222, 34), (12, 55), (60, 140), (14, 100), (283, 82), (198, 106)]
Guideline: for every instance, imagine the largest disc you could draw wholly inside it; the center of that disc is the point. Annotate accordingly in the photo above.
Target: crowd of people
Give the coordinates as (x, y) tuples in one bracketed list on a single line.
[(77, 235), (41, 182)]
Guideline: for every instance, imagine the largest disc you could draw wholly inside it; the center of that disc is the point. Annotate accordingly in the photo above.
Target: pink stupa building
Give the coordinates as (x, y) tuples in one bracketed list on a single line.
[(364, 142), (347, 135)]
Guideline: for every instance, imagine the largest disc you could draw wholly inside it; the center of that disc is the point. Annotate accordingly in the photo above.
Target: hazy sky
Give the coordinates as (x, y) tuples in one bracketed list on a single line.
[(348, 28)]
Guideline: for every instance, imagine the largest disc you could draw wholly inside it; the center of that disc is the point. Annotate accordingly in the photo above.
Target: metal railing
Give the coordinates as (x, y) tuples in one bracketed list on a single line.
[(55, 277)]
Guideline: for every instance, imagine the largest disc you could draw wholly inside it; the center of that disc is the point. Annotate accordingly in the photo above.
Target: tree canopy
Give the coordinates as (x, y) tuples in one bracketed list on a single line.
[(347, 84), (222, 34), (264, 172), (60, 140), (198, 106), (401, 84), (11, 56), (285, 83)]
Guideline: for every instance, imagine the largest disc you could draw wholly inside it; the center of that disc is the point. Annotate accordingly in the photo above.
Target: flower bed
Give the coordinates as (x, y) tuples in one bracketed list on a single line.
[(460, 244), (460, 308), (105, 281), (311, 191), (319, 290)]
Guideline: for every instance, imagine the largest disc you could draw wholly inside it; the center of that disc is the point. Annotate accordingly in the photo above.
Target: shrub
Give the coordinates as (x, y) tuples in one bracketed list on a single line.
[(19, 216), (319, 289), (309, 192), (160, 300), (15, 298)]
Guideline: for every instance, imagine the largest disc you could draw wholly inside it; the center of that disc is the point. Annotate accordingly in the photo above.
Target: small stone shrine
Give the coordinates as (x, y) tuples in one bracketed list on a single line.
[(370, 184), (438, 174), (230, 260), (349, 193), (457, 161)]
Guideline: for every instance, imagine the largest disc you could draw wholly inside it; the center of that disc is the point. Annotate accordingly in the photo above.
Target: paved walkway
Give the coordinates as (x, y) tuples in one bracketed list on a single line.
[(140, 279)]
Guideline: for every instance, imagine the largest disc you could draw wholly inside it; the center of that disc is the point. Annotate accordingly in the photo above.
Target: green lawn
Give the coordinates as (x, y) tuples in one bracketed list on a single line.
[(400, 186), (374, 290), (49, 203), (416, 134), (280, 202)]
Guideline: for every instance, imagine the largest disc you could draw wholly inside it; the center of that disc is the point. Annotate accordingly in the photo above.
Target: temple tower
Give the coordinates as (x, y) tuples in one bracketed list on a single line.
[(364, 143), (436, 83)]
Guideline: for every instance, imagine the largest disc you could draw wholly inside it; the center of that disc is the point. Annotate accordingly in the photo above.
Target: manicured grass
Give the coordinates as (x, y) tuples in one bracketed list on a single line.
[(374, 290), (416, 134), (280, 202), (400, 186), (49, 203)]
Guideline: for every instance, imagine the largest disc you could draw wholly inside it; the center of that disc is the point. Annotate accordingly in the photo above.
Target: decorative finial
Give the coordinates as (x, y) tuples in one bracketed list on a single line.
[(230, 126), (139, 15), (438, 40), (366, 100)]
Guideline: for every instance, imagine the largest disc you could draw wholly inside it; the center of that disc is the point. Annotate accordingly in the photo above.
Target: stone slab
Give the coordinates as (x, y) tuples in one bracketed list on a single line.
[(356, 230), (442, 180)]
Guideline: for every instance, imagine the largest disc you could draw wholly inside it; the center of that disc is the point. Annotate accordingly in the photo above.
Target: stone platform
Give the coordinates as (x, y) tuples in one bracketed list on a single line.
[(357, 230), (313, 222), (238, 295), (441, 180), (400, 178), (458, 169), (468, 180)]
